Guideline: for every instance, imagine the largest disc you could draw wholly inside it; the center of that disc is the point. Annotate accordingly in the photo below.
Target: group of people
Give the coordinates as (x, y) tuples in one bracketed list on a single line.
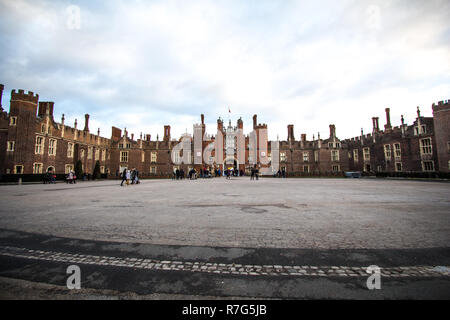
[(130, 176), (71, 177), (281, 173), (254, 173)]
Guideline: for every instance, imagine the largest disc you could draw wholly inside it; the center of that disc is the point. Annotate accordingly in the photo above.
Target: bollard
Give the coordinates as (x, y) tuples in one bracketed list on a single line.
[(20, 181)]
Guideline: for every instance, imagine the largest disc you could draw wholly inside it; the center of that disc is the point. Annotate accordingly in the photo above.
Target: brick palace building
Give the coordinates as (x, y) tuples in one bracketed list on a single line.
[(32, 142)]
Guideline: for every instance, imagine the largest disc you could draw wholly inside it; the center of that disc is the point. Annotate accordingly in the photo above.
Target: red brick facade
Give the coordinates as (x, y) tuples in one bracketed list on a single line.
[(31, 141)]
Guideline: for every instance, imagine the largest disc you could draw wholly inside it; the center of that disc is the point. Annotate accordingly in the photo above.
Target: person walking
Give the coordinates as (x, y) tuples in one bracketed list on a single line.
[(124, 177)]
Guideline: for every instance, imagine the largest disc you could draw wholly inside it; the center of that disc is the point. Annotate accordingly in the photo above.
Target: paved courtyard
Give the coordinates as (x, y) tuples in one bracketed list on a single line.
[(277, 213), (217, 239)]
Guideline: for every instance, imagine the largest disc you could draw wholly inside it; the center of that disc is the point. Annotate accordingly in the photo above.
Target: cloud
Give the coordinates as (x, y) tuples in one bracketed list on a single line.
[(143, 64)]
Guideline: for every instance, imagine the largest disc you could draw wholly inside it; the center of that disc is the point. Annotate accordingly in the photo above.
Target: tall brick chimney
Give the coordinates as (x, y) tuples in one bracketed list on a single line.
[(166, 133), (240, 124), (86, 122), (388, 120), (1, 94), (255, 121), (290, 128), (219, 125), (203, 118), (332, 131), (376, 126)]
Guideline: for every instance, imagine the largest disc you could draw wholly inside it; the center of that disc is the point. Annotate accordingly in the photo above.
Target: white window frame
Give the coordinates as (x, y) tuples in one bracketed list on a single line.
[(428, 148), (153, 157), (282, 156), (10, 146), (40, 167), (97, 154), (68, 168), (104, 155), (387, 151), (52, 148), (70, 148), (305, 156), (123, 156), (15, 168), (334, 155), (366, 154), (432, 165), (153, 170), (13, 121), (397, 151), (355, 155), (90, 152), (401, 167), (39, 148)]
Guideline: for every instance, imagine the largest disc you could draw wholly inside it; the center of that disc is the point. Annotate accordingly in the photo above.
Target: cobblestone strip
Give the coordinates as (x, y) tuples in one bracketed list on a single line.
[(221, 268)]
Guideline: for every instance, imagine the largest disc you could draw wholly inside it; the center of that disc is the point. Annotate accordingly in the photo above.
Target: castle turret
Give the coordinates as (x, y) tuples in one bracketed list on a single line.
[(166, 133)]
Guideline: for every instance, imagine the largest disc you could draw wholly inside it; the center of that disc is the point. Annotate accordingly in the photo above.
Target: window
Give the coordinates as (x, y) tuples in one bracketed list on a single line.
[(306, 169), (397, 150), (424, 129), (448, 146), (18, 169), (176, 156), (120, 145), (366, 154), (448, 164), (70, 150), (334, 155), (10, 146), (124, 156), (283, 156), (355, 155), (427, 165), (13, 121), (425, 146), (39, 148), (153, 170), (97, 154), (387, 151), (37, 168), (398, 166), (102, 169), (82, 154), (416, 131), (379, 169), (90, 151), (153, 158), (338, 145), (43, 128), (143, 156), (52, 147), (316, 156), (51, 169), (128, 145), (68, 168), (335, 168), (103, 155), (330, 145), (305, 156)]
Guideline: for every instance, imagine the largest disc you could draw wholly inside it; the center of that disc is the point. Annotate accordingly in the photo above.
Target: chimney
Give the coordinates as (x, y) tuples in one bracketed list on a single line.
[(219, 125), (148, 137), (166, 133), (76, 124), (203, 118), (132, 137), (86, 122), (332, 131), (418, 112), (403, 126), (98, 132), (304, 137), (376, 126), (240, 124), (388, 120), (62, 120), (1, 94), (254, 121), (291, 132)]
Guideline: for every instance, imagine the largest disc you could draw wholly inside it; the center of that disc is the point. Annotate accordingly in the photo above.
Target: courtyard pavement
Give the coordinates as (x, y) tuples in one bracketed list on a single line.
[(272, 238)]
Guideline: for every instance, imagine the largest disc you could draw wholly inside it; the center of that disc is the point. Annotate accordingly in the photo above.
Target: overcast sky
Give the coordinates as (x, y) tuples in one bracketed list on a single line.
[(144, 64)]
